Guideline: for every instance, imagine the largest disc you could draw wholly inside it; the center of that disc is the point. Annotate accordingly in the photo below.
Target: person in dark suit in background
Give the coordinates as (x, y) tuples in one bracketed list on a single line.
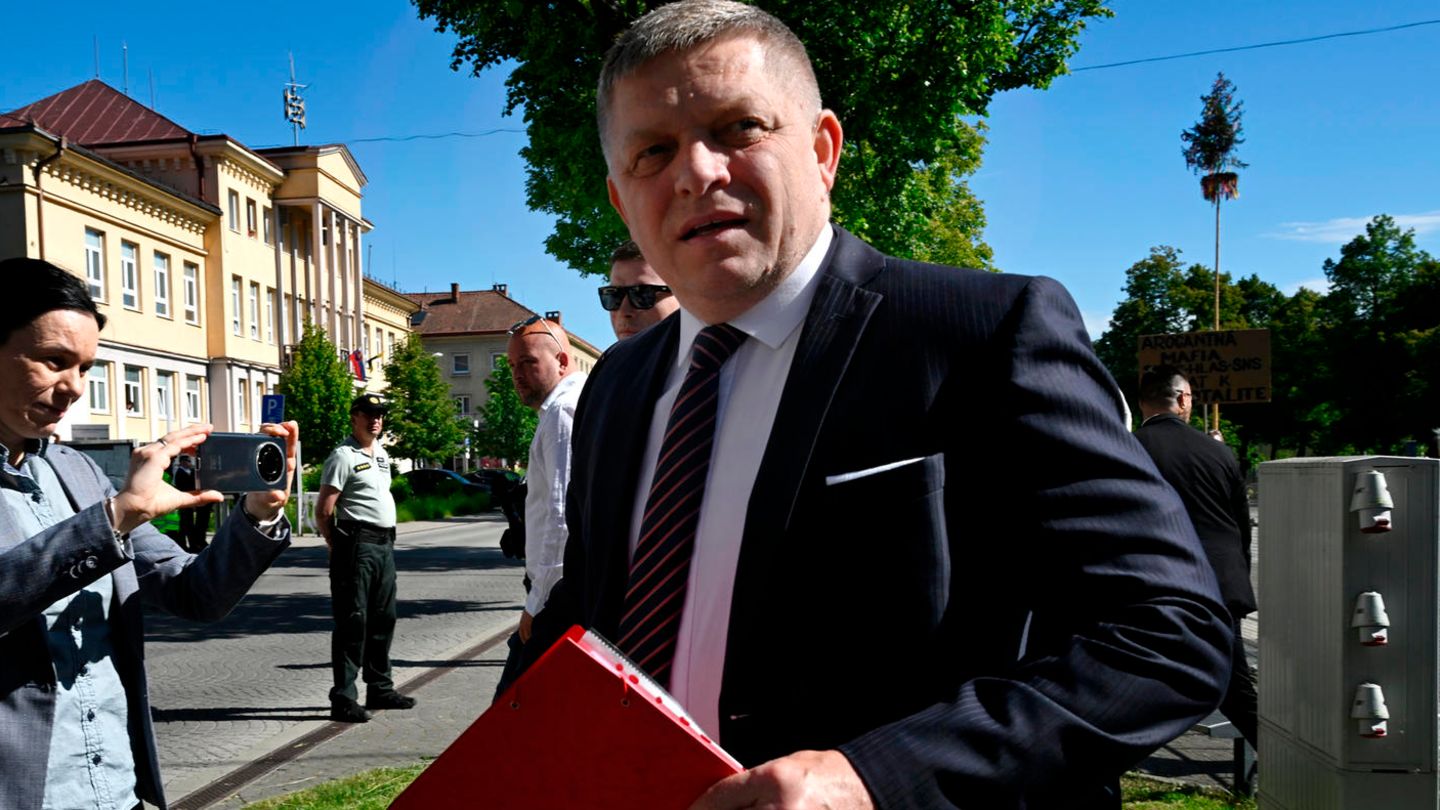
[(195, 520), (1207, 476), (874, 523)]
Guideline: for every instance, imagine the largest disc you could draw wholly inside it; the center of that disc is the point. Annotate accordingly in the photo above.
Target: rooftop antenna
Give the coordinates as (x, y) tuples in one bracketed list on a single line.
[(294, 103), (125, 59), (97, 55)]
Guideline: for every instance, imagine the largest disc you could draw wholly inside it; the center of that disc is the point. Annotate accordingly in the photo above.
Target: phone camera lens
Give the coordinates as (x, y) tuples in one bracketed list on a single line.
[(270, 463)]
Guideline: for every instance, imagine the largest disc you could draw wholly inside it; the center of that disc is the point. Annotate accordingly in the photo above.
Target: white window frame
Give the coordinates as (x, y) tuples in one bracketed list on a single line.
[(95, 263), (98, 387), (162, 285), (390, 344), (458, 360), (242, 401), (462, 405), (495, 360), (234, 209), (134, 391), (193, 411), (165, 409), (192, 293), (129, 275), (270, 315), (265, 226), (252, 228), (254, 302), (238, 315)]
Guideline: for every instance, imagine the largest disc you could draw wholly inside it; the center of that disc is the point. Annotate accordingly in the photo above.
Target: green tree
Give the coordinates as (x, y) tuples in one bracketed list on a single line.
[(318, 389), (422, 416), (902, 76), (1153, 305), (506, 424)]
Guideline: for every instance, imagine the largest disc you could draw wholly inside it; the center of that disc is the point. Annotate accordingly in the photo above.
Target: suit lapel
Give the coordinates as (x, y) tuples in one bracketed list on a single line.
[(837, 318)]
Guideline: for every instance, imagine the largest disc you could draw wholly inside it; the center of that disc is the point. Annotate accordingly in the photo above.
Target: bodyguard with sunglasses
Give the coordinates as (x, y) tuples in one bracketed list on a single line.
[(637, 297)]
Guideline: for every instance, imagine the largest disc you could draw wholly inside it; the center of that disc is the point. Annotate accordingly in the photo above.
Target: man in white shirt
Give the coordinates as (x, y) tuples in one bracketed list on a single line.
[(886, 452), (547, 380)]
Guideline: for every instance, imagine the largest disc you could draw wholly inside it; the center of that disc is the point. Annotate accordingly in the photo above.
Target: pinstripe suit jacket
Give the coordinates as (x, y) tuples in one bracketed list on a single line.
[(37, 571), (1008, 623)]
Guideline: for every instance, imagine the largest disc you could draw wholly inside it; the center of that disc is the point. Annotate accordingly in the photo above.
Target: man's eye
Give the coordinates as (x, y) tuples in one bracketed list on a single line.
[(744, 132), (650, 159)]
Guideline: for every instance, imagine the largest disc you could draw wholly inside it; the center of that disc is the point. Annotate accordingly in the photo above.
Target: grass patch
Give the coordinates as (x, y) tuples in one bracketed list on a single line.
[(374, 790), (1139, 793), (371, 790), (437, 507)]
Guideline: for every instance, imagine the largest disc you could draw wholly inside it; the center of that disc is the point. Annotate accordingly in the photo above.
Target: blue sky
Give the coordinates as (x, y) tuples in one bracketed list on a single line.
[(1079, 181)]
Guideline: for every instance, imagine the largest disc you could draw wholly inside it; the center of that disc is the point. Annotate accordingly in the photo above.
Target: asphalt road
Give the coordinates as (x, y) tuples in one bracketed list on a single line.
[(228, 693)]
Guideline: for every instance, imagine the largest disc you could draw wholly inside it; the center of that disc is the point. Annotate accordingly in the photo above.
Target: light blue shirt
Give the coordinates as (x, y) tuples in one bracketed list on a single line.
[(90, 764)]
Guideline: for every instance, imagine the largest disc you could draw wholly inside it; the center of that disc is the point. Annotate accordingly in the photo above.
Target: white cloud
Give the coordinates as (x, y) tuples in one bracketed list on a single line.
[(1340, 230), (1320, 285), (1095, 323)]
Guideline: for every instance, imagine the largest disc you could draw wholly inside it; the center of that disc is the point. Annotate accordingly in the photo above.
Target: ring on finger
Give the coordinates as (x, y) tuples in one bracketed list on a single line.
[(162, 442)]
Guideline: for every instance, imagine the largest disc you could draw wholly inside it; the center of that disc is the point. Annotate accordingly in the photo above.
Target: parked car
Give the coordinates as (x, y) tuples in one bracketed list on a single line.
[(441, 482), (497, 479)]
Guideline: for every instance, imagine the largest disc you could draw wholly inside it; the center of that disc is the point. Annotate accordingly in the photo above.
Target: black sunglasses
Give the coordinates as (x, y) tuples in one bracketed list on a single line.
[(642, 296)]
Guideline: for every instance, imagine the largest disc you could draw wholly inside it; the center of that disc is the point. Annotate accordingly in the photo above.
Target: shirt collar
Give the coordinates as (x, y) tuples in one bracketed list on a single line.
[(35, 447), (781, 312), (567, 382)]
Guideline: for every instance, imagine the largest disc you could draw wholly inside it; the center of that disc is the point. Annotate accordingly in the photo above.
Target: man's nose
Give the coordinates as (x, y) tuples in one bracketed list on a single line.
[(72, 383), (702, 167)]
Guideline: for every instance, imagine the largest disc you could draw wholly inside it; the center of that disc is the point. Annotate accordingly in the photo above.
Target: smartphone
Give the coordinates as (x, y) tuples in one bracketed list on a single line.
[(240, 462)]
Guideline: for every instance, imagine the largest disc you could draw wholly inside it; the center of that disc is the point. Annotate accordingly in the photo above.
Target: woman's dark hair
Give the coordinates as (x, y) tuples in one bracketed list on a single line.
[(35, 287)]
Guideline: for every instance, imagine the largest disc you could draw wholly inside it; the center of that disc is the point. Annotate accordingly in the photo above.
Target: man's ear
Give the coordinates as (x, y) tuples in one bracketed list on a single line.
[(829, 140), (615, 200), (563, 358)]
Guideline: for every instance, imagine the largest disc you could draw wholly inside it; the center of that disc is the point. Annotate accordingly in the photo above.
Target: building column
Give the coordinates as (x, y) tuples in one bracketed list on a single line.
[(313, 289)]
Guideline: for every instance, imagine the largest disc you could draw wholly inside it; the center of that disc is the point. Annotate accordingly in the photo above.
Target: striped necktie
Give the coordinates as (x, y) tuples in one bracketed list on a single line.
[(655, 595)]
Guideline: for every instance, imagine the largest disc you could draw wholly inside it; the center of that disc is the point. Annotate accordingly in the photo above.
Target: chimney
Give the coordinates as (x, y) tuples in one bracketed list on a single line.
[(503, 289), (553, 315), (454, 293)]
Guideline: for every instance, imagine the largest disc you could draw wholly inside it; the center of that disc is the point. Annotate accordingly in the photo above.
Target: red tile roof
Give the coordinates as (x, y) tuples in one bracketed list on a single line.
[(95, 113), (476, 312)]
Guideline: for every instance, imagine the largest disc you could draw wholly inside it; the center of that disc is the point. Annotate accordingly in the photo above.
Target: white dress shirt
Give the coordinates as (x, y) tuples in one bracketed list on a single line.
[(750, 386), (546, 479)]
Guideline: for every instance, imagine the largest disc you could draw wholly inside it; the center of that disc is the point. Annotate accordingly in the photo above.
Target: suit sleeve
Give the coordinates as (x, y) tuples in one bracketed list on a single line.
[(1127, 642)]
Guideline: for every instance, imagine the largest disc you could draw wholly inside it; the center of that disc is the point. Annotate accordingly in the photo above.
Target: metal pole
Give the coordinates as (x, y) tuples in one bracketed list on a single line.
[(1216, 411)]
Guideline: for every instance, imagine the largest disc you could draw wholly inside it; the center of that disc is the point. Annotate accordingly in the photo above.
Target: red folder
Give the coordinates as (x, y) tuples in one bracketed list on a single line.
[(582, 728)]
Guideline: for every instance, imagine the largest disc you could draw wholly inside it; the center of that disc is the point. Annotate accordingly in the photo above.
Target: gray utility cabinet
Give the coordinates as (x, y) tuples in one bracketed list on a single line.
[(1349, 625)]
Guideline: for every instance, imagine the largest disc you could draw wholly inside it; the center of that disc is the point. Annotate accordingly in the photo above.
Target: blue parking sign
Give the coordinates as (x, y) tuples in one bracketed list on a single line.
[(272, 408)]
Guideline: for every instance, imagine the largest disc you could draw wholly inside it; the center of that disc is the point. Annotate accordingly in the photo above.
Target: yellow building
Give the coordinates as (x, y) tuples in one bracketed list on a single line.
[(388, 313), (207, 256)]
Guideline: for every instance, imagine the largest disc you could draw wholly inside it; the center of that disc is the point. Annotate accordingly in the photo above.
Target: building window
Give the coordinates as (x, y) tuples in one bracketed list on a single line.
[(459, 365), (192, 292), (495, 358), (265, 216), (462, 405), (133, 392), (250, 223), (254, 311), (270, 315), (95, 263), (257, 405), (390, 344), (129, 276), (242, 416), (235, 211), (192, 399), (165, 397), (99, 382), (235, 308), (162, 285)]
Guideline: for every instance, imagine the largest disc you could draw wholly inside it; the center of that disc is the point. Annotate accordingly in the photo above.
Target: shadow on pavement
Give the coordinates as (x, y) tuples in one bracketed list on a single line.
[(233, 713), (420, 560), (267, 614), (430, 663)]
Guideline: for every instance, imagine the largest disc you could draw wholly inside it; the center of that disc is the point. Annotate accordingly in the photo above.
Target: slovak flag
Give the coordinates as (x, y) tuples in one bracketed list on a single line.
[(357, 365)]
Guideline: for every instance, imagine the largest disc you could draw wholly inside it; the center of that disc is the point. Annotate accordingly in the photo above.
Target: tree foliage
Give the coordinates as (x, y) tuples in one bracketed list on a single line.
[(422, 416), (318, 389), (1352, 369), (506, 424), (902, 76), (1210, 145)]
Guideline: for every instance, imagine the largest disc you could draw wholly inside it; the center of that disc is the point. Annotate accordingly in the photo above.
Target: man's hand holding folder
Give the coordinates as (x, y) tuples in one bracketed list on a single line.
[(805, 780)]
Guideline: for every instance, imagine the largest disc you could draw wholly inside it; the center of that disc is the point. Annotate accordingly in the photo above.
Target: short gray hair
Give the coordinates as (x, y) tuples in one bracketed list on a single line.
[(689, 23)]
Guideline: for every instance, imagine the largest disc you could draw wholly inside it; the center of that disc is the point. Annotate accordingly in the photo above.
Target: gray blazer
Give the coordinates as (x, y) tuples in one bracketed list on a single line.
[(39, 570)]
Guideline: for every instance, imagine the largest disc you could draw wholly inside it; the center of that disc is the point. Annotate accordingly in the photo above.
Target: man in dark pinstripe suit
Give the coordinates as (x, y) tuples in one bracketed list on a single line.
[(931, 567)]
